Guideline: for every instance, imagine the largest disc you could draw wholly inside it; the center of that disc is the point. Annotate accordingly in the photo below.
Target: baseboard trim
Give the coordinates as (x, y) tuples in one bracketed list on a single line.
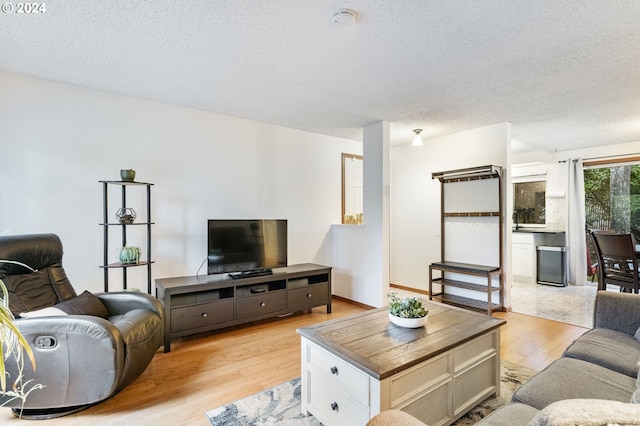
[(351, 302), (414, 290), (397, 286)]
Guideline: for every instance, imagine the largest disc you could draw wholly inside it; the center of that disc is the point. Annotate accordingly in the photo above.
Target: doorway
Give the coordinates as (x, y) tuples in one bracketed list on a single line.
[(612, 202)]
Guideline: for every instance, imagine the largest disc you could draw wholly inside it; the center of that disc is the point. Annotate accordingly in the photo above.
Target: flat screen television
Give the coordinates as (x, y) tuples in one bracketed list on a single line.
[(242, 247)]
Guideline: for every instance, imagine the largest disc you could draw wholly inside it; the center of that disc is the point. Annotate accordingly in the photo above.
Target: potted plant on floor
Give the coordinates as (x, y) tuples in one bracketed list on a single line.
[(14, 345), (406, 311)]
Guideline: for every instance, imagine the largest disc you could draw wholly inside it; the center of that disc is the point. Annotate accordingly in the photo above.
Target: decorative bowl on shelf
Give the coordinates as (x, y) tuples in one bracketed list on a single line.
[(126, 216), (408, 322), (129, 255), (127, 175)]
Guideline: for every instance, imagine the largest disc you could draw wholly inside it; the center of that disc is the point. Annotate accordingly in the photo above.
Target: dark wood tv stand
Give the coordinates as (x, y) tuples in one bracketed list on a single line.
[(196, 304)]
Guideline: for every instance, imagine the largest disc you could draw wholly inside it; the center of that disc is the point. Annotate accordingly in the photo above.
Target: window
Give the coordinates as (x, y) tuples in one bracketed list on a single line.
[(612, 196), (529, 203)]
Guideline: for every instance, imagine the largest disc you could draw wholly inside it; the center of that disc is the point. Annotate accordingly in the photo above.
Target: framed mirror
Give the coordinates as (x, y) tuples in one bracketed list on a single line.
[(352, 189)]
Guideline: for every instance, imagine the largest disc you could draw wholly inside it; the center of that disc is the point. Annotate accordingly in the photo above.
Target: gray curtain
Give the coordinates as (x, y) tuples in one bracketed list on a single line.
[(576, 237)]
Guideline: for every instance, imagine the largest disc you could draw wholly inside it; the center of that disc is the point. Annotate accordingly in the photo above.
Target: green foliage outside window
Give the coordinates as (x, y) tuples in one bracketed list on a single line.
[(612, 198)]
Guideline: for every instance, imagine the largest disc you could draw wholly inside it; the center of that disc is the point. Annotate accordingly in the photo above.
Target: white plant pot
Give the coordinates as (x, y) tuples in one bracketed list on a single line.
[(408, 322)]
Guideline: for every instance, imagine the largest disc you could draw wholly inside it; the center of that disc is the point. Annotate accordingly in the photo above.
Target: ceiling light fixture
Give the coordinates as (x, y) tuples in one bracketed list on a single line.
[(417, 139), (344, 18)]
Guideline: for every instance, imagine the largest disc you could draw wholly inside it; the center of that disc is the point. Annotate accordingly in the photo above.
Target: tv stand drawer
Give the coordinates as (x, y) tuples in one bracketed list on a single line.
[(203, 315), (312, 295), (255, 306)]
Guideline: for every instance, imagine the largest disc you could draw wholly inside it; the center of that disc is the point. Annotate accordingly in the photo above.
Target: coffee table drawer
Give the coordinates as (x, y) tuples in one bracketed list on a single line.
[(203, 315), (339, 374), (327, 402), (254, 306), (475, 350), (420, 378)]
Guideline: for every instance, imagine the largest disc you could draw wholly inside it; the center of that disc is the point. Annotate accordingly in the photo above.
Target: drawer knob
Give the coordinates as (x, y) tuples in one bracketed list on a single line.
[(263, 304), (334, 406), (309, 295), (204, 315), (334, 370)]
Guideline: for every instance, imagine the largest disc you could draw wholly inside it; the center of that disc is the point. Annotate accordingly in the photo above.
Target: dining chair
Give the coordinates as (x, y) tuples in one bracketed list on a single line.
[(618, 261), (592, 257)]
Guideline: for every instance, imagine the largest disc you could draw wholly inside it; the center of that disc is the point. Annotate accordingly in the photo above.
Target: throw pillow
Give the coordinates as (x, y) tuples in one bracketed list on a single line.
[(45, 312), (84, 304), (587, 412)]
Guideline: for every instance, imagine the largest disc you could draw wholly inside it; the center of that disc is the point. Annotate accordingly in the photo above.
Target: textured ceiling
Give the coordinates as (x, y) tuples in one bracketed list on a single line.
[(566, 74)]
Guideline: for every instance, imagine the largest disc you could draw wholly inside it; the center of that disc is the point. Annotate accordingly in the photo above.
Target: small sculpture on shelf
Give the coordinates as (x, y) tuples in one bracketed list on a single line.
[(353, 219), (129, 255), (126, 215)]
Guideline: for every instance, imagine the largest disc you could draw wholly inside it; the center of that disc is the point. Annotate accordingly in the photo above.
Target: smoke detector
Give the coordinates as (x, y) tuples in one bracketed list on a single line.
[(344, 18)]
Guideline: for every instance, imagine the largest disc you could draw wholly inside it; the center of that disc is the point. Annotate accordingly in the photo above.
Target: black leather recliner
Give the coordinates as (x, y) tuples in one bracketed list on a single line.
[(80, 359)]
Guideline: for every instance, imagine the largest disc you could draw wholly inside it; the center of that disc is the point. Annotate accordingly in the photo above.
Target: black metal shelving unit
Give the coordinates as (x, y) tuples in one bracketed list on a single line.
[(107, 225)]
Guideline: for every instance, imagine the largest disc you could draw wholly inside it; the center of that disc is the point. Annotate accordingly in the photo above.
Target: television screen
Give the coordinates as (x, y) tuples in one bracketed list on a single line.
[(246, 245)]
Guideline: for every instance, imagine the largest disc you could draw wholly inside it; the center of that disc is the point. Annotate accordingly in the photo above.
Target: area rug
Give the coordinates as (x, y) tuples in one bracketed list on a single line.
[(280, 405)]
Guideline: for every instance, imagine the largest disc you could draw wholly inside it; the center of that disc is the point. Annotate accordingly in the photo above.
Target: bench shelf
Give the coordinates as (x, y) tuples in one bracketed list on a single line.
[(471, 230)]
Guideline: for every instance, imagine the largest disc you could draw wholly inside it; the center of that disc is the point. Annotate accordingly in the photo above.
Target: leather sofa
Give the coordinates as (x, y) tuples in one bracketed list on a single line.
[(87, 347)]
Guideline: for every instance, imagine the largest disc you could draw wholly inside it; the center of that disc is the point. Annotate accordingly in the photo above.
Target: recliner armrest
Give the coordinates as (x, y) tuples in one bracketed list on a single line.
[(617, 311), (119, 303), (79, 360)]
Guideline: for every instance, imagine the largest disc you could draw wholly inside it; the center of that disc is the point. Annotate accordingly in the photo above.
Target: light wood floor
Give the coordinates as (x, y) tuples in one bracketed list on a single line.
[(206, 371)]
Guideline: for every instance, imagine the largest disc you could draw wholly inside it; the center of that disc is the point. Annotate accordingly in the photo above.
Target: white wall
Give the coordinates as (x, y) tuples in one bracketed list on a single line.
[(361, 253), (415, 196), (57, 141)]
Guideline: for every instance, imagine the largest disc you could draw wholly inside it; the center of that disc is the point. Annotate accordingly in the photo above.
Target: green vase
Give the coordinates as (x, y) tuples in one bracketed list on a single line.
[(129, 255), (127, 175)]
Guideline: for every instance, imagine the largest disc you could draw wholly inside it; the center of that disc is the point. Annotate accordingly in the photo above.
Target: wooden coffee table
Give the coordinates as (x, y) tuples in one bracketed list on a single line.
[(355, 367)]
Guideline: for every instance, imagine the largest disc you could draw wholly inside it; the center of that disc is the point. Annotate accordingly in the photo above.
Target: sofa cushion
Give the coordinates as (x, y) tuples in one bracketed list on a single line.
[(569, 378), (84, 304), (511, 414), (587, 412), (635, 398), (33, 291), (611, 349)]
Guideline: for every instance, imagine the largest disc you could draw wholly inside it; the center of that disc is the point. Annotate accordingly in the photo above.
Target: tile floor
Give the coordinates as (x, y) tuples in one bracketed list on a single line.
[(571, 304)]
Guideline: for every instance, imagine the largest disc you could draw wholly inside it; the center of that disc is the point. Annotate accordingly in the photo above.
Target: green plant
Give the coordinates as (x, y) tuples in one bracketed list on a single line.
[(13, 344), (406, 307)]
